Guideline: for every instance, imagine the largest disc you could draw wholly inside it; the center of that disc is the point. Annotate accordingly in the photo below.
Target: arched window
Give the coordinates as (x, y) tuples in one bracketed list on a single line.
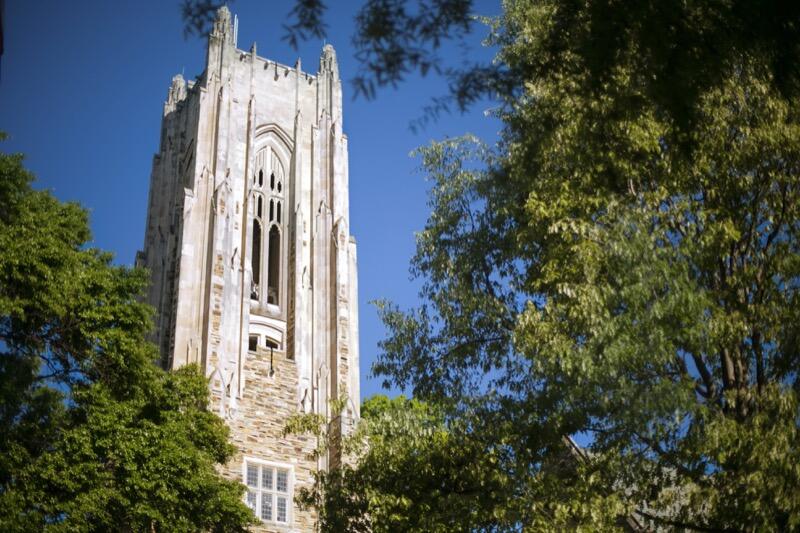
[(267, 229)]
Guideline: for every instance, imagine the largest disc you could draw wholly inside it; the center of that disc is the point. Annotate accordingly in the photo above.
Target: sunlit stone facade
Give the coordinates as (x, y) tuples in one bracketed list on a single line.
[(252, 262)]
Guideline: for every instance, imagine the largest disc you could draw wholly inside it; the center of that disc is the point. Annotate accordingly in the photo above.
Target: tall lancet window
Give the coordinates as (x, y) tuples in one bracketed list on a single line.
[(267, 233)]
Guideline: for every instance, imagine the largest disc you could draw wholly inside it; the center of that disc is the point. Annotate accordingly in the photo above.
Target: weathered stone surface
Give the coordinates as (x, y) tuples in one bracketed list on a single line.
[(251, 128)]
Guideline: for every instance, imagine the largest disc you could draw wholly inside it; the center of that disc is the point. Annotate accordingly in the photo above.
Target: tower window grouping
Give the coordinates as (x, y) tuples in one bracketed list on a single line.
[(268, 229)]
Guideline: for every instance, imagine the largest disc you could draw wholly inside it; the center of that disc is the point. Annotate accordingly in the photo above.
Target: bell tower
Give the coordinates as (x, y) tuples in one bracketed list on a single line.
[(252, 263)]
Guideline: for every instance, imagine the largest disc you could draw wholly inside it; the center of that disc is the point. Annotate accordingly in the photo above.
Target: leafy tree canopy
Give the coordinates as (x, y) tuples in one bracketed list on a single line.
[(93, 436), (589, 275), (408, 469)]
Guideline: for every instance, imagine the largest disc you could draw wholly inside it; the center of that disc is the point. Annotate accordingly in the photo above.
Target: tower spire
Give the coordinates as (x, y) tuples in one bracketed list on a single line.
[(222, 25), (327, 61)]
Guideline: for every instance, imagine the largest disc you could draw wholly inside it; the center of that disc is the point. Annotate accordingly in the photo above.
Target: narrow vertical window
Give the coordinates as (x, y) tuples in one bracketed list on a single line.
[(266, 246), (273, 266), (256, 259), (252, 486)]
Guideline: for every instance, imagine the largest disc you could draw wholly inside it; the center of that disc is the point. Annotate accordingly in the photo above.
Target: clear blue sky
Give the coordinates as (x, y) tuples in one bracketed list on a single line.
[(81, 90)]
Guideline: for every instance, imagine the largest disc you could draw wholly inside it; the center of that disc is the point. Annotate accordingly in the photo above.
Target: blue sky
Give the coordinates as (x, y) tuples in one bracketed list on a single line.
[(83, 83)]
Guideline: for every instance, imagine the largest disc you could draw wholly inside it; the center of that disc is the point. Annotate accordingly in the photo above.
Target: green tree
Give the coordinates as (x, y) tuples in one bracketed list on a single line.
[(93, 436), (622, 268), (407, 469)]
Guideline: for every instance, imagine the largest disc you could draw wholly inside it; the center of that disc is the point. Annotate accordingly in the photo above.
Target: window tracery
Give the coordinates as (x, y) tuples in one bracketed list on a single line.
[(267, 233)]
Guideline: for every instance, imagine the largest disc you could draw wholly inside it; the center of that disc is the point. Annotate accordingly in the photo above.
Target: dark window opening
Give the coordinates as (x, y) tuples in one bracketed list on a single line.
[(252, 344), (272, 344), (259, 210), (279, 186), (273, 266), (255, 260), (279, 212), (272, 181), (271, 210), (260, 178)]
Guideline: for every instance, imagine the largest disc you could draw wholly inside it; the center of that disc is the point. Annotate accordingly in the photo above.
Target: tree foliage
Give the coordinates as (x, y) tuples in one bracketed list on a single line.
[(407, 469), (93, 436), (622, 268)]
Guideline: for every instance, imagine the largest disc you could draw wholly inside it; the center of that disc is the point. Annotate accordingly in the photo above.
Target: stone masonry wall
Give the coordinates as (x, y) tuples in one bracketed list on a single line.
[(257, 429)]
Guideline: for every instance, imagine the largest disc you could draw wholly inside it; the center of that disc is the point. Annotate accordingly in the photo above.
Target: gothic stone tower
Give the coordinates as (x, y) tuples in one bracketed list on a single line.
[(252, 262)]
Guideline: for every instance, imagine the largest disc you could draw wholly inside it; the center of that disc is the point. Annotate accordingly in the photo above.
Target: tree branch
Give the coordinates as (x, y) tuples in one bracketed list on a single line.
[(685, 525)]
